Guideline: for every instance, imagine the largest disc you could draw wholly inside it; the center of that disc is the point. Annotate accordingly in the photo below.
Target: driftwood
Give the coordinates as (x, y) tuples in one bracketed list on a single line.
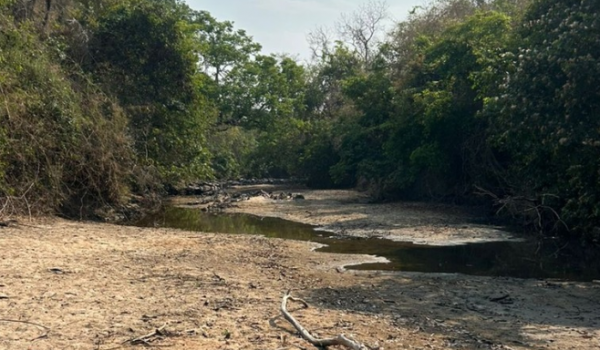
[(323, 343), (147, 338)]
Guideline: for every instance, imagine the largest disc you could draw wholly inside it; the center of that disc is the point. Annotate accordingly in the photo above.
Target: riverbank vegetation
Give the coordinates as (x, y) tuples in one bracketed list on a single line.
[(491, 102)]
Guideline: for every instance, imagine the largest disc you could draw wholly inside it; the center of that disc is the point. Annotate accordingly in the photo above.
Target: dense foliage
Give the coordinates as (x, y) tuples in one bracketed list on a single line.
[(144, 53), (492, 102), (64, 143), (549, 113)]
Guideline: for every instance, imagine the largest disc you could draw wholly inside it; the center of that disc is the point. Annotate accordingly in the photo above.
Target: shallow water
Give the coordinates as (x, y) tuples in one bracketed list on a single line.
[(528, 259)]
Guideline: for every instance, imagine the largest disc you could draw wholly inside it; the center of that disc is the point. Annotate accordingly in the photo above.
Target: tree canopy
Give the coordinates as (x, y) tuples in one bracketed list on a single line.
[(490, 102)]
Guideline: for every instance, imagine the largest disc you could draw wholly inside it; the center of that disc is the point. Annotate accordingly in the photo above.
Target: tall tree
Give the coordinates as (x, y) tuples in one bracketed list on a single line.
[(223, 47), (264, 89), (549, 113), (223, 50), (146, 52)]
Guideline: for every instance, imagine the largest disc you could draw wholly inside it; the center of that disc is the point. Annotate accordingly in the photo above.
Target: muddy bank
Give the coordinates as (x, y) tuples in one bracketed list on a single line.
[(349, 212)]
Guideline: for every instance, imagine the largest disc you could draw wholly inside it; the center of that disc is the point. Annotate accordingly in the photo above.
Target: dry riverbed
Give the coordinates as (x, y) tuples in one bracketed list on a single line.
[(349, 212), (73, 285)]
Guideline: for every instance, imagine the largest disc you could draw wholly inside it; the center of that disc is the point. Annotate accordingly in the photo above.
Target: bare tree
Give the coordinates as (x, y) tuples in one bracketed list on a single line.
[(320, 41), (362, 28)]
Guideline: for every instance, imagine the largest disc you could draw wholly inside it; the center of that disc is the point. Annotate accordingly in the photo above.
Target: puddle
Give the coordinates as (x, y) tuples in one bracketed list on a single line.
[(528, 259)]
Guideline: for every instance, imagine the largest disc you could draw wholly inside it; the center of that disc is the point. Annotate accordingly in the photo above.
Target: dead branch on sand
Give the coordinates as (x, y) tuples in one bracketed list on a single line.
[(160, 332), (339, 340)]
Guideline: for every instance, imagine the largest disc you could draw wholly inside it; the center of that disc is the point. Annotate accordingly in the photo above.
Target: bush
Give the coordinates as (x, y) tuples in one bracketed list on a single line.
[(64, 146)]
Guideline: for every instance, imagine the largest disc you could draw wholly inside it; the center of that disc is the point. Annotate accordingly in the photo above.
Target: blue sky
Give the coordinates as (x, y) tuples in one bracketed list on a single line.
[(281, 26)]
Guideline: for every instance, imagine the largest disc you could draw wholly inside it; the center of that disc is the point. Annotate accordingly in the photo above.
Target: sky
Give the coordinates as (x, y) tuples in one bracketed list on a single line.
[(281, 26)]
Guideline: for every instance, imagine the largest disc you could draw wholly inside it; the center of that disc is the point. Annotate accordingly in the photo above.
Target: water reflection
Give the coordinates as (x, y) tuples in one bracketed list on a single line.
[(195, 220), (530, 259)]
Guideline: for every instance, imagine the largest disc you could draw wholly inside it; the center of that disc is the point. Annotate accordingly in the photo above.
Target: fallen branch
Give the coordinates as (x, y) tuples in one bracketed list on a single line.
[(146, 339), (339, 340)]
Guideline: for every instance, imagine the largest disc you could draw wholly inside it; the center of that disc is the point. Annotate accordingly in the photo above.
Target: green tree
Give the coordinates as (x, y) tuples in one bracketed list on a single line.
[(224, 50), (222, 47), (460, 70), (331, 115), (265, 89), (362, 158), (548, 112), (420, 133), (263, 96), (146, 53), (64, 145)]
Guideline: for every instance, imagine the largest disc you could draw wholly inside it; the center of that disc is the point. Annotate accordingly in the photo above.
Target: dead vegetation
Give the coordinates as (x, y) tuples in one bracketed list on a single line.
[(64, 146)]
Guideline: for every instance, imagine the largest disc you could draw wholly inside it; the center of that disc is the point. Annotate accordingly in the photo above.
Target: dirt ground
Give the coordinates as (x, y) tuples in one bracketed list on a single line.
[(79, 285)]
